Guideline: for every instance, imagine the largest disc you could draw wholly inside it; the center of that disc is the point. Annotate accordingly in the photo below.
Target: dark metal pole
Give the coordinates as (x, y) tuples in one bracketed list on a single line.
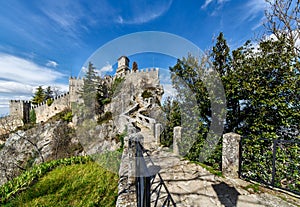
[(273, 162)]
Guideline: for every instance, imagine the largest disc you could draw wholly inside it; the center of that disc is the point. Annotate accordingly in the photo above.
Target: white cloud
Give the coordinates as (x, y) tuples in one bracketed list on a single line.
[(20, 77), (51, 63), (139, 13), (254, 8), (169, 91), (24, 71), (207, 2), (107, 68), (15, 87)]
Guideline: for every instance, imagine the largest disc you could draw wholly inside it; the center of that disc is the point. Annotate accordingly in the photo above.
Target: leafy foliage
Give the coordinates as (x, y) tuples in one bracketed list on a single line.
[(120, 138), (146, 94), (67, 116), (39, 96), (89, 89), (32, 116), (262, 157), (42, 95), (105, 117), (49, 102), (262, 91), (173, 118)]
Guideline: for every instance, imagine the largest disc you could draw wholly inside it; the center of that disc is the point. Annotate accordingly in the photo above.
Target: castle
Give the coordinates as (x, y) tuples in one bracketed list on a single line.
[(21, 109)]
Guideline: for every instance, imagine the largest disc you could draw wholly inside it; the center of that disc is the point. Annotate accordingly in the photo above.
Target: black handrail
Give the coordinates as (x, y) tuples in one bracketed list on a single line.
[(145, 180)]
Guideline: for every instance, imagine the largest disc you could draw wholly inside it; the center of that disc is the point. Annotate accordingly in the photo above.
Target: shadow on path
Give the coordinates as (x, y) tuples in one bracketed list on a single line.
[(227, 195)]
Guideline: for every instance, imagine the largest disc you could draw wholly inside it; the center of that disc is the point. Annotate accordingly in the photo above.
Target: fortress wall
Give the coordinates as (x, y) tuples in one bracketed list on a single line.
[(142, 79), (74, 87), (44, 112), (135, 81)]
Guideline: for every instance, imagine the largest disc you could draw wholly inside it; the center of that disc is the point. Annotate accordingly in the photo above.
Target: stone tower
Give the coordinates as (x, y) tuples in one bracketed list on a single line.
[(123, 65), (20, 109), (75, 86)]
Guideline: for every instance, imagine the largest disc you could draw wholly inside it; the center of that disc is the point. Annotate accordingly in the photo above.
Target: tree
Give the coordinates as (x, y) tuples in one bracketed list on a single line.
[(32, 116), (190, 77), (173, 119), (39, 96), (42, 95), (220, 55), (48, 93), (283, 20), (222, 62), (134, 66), (268, 79), (89, 89)]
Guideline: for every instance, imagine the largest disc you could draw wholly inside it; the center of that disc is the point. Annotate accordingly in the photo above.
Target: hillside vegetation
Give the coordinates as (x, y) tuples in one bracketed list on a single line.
[(76, 181)]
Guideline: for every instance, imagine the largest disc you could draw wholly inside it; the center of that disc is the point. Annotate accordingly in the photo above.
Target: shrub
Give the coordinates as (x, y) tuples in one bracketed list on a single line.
[(49, 102), (146, 94), (32, 116), (68, 116), (105, 117)]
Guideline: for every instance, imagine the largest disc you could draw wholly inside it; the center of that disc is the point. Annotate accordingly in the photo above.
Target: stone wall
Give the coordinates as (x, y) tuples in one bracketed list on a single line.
[(44, 112)]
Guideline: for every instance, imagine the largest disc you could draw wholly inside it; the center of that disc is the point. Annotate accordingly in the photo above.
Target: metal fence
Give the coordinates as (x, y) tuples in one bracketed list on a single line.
[(271, 162), (147, 190)]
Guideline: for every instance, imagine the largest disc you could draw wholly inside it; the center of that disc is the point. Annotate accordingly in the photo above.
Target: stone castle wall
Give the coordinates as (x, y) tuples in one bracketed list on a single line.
[(135, 81), (44, 112)]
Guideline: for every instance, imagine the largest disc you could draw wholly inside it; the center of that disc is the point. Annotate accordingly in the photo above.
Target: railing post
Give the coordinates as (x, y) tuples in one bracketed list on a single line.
[(273, 162), (143, 178)]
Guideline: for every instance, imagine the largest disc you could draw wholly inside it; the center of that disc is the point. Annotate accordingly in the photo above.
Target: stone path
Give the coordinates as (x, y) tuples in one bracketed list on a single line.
[(192, 185)]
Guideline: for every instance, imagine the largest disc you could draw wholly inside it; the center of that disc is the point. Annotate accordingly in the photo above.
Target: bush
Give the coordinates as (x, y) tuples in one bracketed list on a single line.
[(68, 116), (106, 101), (146, 94), (32, 116), (105, 117), (120, 138), (49, 102)]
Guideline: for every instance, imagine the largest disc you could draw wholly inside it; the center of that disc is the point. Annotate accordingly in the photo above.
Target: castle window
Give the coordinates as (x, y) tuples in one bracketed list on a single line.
[(55, 108)]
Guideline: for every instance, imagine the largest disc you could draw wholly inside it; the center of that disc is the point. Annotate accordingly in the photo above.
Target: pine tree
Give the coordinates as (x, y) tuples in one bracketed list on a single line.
[(48, 93), (220, 55), (134, 66), (39, 96), (89, 90)]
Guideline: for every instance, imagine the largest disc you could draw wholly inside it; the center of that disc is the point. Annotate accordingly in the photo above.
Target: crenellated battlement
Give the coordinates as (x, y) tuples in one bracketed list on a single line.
[(21, 108), (54, 99), (149, 71)]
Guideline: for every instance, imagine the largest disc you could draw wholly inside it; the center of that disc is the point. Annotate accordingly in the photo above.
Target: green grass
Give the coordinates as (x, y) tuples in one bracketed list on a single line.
[(209, 168), (74, 185), (255, 187)]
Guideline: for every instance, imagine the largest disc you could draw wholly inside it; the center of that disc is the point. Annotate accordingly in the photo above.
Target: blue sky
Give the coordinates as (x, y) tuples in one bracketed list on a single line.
[(43, 42)]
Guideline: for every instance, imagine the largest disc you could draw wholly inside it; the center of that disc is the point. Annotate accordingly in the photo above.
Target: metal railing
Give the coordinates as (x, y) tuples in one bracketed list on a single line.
[(145, 177), (271, 162)]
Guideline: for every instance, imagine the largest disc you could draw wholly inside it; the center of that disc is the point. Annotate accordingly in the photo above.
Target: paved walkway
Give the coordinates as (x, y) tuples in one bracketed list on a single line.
[(192, 185)]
